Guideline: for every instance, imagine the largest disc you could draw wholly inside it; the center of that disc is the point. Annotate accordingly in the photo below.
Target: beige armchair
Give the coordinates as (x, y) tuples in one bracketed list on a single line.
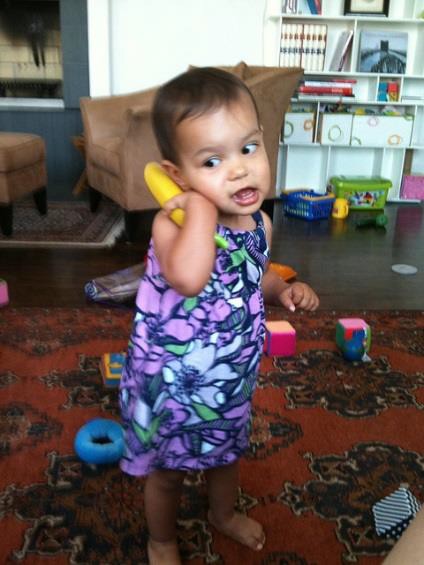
[(119, 140)]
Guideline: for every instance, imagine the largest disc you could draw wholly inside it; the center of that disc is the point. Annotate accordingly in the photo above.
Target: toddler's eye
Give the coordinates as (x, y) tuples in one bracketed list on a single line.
[(249, 148), (212, 162)]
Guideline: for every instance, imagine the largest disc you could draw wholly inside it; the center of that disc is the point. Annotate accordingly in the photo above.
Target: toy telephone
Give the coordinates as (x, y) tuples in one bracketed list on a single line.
[(163, 189)]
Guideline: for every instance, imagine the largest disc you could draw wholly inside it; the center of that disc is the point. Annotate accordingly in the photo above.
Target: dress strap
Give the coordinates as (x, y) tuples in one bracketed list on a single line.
[(257, 216)]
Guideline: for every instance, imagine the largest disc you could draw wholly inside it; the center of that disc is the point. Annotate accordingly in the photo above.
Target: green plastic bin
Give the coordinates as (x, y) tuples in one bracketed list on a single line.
[(362, 193)]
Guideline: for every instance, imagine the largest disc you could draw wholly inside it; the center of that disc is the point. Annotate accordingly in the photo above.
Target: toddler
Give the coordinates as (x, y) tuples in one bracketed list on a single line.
[(198, 332)]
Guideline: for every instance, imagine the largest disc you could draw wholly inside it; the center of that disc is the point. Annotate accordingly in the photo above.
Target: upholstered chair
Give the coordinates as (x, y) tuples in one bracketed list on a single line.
[(22, 172)]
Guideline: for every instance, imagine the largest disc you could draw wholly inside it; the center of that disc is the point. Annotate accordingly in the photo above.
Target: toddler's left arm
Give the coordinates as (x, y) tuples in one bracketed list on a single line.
[(276, 291)]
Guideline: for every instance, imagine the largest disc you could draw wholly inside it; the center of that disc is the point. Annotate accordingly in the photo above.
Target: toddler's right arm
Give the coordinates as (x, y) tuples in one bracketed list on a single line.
[(186, 254)]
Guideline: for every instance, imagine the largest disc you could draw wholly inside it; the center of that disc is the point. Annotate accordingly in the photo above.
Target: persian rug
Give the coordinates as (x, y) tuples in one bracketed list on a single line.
[(66, 224), (329, 439)]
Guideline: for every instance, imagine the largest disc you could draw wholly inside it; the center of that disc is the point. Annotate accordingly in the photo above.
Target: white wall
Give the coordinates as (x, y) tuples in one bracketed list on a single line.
[(134, 44)]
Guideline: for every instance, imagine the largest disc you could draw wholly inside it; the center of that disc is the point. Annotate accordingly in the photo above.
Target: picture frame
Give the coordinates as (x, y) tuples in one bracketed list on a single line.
[(367, 8), (383, 52)]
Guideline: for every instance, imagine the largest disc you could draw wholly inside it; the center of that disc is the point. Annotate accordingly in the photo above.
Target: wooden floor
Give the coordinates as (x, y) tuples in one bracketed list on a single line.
[(350, 268)]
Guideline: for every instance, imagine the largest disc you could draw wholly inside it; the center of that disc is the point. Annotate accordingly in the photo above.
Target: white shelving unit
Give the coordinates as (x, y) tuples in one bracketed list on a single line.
[(310, 165)]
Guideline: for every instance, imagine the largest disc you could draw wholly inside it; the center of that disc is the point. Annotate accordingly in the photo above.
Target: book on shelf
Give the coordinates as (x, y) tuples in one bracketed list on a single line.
[(341, 51), (411, 97), (347, 91), (303, 45), (340, 82), (289, 6), (314, 7), (327, 97)]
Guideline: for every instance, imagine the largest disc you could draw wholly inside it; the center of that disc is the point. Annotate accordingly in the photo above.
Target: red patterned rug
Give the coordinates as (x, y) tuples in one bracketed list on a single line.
[(330, 438)]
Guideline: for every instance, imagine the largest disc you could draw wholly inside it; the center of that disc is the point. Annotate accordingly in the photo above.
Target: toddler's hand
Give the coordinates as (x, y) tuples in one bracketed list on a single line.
[(178, 201), (299, 295), (187, 200)]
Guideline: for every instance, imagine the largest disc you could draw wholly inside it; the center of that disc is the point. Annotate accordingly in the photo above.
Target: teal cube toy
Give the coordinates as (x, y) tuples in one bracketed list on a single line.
[(345, 328)]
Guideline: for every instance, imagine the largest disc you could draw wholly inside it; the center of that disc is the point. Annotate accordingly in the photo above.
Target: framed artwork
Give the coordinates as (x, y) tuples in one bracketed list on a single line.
[(367, 7), (383, 52)]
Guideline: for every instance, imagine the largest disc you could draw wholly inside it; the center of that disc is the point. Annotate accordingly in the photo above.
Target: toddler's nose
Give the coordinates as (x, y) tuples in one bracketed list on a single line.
[(238, 169)]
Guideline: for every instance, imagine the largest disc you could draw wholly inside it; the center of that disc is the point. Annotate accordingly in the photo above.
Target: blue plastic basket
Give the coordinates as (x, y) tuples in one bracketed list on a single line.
[(307, 204)]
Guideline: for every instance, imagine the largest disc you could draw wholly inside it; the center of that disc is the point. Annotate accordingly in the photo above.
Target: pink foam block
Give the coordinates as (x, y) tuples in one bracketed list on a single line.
[(4, 294), (280, 339)]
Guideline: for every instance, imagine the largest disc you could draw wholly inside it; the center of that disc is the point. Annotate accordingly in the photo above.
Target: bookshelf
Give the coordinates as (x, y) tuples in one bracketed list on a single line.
[(371, 155)]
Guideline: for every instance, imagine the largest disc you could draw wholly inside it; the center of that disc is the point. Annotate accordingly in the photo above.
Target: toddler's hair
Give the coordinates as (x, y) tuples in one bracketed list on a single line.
[(193, 93)]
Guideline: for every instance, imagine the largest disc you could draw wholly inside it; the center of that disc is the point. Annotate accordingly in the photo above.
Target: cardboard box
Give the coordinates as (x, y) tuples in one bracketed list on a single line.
[(382, 131), (299, 127), (336, 129)]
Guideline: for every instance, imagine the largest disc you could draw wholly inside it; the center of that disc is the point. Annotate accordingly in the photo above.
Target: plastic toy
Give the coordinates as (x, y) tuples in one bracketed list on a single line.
[(163, 189), (378, 221), (4, 294), (307, 204), (393, 513), (353, 337), (111, 365), (280, 339), (283, 271), (354, 348), (99, 441), (340, 208), (362, 193)]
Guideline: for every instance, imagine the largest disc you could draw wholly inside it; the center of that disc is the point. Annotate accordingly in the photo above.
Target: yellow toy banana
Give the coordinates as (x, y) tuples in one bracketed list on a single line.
[(163, 189)]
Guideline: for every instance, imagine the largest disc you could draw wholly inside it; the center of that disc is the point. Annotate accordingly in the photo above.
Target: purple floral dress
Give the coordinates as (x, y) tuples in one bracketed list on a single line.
[(191, 367)]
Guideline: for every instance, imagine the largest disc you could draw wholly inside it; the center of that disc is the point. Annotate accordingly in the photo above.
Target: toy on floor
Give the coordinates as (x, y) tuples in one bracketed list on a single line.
[(111, 365), (4, 294), (99, 441), (393, 513), (378, 221), (118, 287), (354, 349), (340, 208), (283, 271), (163, 189), (280, 339), (353, 337)]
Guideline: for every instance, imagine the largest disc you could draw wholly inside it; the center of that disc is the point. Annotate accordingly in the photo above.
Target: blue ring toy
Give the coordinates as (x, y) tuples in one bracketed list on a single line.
[(100, 441)]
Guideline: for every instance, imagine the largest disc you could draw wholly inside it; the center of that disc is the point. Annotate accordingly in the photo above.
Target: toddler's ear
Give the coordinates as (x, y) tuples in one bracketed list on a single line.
[(174, 172)]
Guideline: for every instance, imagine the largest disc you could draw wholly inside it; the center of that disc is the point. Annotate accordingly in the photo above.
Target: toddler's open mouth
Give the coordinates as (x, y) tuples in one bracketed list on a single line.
[(246, 196)]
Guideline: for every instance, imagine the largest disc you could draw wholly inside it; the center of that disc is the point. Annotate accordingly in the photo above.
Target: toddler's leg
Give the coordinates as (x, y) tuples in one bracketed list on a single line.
[(222, 490), (161, 499)]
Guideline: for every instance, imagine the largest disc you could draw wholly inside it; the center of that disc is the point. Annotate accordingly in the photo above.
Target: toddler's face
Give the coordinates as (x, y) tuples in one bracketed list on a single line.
[(222, 156)]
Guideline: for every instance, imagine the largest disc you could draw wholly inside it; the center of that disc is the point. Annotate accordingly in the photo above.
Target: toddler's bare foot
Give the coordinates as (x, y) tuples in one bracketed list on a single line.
[(163, 553), (241, 528)]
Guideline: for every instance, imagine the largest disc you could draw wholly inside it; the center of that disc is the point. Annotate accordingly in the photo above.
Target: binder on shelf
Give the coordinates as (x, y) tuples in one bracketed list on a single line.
[(303, 45), (341, 51), (318, 7), (313, 7)]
